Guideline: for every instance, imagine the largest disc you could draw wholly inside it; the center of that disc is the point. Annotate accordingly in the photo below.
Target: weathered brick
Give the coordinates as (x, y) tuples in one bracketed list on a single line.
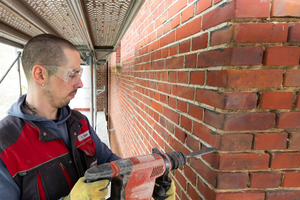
[(276, 100), (167, 39), (180, 134), (192, 143), (228, 101), (173, 77), (184, 92), (291, 179), (190, 174), (173, 50), (245, 78), (182, 106), (156, 106), (197, 77), (253, 8), (202, 5), (294, 30), (285, 160), (205, 171), (200, 42), (232, 180), (186, 123), (236, 142), (240, 196), (250, 33), (158, 65), (240, 121), (178, 146), (196, 112), (170, 114), (187, 13), (294, 141), (291, 78), (244, 161), (288, 120), (191, 61), (221, 14), (188, 29), (172, 102), (164, 87), (180, 178), (282, 55), (206, 134), (281, 8), (231, 56), (264, 180), (185, 46), (270, 141), (175, 63), (283, 194)]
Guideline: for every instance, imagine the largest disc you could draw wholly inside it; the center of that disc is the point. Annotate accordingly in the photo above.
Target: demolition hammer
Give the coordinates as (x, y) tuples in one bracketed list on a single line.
[(135, 177)]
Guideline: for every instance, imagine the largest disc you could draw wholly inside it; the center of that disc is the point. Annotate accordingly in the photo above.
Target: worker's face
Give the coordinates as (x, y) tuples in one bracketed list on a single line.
[(59, 92)]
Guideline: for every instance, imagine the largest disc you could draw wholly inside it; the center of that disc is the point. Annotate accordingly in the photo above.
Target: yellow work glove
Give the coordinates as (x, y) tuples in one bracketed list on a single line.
[(88, 191), (164, 190)]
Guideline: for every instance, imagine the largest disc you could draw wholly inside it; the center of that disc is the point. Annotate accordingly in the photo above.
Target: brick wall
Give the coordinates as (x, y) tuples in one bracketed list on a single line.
[(221, 73), (100, 86)]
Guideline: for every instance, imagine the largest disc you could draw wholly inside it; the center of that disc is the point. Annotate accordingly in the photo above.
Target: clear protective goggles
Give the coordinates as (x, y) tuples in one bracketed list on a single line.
[(68, 75)]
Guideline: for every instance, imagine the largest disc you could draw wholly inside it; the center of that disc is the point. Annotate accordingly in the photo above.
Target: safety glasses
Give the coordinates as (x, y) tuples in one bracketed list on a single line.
[(68, 75)]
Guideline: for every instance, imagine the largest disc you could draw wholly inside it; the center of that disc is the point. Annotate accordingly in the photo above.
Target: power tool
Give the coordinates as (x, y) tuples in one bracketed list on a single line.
[(135, 177)]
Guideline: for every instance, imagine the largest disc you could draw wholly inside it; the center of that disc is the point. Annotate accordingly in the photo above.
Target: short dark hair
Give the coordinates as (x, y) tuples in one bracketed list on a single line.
[(44, 49)]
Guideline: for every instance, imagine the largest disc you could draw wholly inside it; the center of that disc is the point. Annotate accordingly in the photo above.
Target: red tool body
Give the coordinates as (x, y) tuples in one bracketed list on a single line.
[(137, 174)]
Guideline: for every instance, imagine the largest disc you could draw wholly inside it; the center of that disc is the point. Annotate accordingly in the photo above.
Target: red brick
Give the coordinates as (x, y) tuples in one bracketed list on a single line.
[(250, 33), (282, 160), (173, 77), (197, 78), (167, 27), (164, 87), (270, 141), (282, 55), (241, 196), (185, 46), (291, 179), (216, 1), (207, 172), (244, 161), (175, 21), (192, 193), (188, 29), (232, 180), (288, 120), (297, 103), (167, 39), (182, 106), (253, 8), (162, 132), (281, 8), (187, 13), (294, 31), (175, 63), (221, 14), (231, 56), (206, 134), (236, 142), (170, 114), (192, 143), (283, 195), (172, 102), (184, 92), (180, 178), (176, 8), (177, 146), (294, 141), (291, 78), (186, 123), (264, 180), (228, 101), (189, 173), (158, 65), (164, 52), (245, 78), (156, 106), (206, 191), (202, 5), (276, 100), (180, 134), (240, 121), (200, 42), (190, 61), (173, 50), (196, 112)]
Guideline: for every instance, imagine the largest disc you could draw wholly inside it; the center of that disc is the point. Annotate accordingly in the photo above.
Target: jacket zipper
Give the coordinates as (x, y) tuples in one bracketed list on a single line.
[(63, 168)]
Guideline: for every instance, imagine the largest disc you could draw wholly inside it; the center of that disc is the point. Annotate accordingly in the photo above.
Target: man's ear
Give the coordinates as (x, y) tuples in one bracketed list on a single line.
[(39, 74)]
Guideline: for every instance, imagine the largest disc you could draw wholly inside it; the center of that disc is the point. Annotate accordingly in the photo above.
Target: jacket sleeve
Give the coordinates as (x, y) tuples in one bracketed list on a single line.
[(8, 188), (104, 154)]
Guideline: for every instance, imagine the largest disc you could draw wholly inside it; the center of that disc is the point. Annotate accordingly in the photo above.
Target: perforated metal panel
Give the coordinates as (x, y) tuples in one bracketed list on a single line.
[(105, 18)]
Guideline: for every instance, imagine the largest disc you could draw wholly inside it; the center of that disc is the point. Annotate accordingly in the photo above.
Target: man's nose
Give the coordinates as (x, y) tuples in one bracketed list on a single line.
[(79, 84)]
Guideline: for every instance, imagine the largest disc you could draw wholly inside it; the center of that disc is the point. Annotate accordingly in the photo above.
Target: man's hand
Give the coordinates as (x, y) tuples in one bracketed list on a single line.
[(88, 191), (164, 190)]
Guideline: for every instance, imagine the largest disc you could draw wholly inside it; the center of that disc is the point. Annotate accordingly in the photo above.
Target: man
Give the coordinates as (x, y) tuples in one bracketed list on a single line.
[(45, 147)]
